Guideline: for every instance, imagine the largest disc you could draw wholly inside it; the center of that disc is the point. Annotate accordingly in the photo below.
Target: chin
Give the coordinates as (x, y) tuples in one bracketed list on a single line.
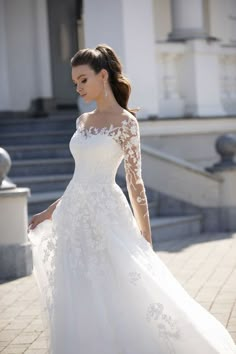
[(87, 100)]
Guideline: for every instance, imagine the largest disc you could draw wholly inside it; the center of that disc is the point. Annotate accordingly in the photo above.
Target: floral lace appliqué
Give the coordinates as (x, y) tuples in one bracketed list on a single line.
[(134, 277), (167, 326)]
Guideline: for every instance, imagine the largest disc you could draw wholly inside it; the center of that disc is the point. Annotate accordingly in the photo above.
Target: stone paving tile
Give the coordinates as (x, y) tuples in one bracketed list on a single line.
[(25, 338), (36, 351), (208, 274), (205, 265), (14, 349)]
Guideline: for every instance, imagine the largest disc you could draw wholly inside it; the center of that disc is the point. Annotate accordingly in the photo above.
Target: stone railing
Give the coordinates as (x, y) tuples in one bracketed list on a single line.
[(169, 56), (196, 78)]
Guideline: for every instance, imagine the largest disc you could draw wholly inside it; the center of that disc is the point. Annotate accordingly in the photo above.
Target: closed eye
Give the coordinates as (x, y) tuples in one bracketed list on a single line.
[(83, 82)]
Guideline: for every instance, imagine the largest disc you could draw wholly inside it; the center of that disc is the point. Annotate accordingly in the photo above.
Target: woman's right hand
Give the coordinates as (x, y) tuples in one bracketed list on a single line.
[(38, 218)]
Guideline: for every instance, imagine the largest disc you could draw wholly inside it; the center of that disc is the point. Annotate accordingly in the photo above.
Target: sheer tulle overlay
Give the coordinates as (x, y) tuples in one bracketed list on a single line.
[(103, 288)]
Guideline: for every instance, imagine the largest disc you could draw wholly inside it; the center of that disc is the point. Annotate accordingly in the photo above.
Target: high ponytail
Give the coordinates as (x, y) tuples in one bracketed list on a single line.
[(104, 57)]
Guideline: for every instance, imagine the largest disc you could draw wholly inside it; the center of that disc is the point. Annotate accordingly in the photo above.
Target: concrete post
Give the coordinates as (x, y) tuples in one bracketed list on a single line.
[(15, 250)]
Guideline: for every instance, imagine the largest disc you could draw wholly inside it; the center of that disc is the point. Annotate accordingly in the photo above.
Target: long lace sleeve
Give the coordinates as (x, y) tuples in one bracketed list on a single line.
[(130, 141)]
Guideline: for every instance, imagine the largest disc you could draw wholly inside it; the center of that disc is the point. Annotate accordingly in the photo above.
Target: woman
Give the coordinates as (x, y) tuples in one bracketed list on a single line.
[(104, 289)]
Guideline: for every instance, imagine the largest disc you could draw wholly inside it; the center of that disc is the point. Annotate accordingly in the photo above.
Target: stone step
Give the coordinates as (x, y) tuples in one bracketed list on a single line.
[(170, 228), (44, 183), (30, 125), (36, 151), (36, 137), (39, 167)]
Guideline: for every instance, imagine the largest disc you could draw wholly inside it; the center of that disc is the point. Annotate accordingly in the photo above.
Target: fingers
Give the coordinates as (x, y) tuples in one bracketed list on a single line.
[(32, 224), (30, 227)]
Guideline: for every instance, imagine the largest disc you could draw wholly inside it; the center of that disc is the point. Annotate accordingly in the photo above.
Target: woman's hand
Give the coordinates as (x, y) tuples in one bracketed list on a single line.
[(38, 218)]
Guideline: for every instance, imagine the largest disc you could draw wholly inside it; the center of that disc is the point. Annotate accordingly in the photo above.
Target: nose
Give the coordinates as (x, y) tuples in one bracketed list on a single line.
[(79, 89)]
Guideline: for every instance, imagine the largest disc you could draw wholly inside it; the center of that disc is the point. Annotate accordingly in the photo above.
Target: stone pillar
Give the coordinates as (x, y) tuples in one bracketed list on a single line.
[(42, 52), (131, 33), (24, 43), (43, 102), (187, 20), (140, 55), (5, 101), (15, 249)]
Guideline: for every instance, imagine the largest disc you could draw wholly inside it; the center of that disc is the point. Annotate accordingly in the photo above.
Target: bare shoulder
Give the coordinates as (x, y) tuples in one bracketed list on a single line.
[(83, 117)]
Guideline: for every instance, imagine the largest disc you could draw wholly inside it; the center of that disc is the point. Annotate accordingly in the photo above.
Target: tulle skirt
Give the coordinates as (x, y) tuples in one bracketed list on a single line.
[(104, 290)]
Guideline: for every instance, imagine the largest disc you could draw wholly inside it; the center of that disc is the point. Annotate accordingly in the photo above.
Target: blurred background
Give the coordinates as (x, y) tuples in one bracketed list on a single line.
[(179, 54)]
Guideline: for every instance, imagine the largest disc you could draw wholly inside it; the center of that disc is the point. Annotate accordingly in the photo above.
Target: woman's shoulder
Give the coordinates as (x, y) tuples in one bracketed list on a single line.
[(82, 118), (128, 120)]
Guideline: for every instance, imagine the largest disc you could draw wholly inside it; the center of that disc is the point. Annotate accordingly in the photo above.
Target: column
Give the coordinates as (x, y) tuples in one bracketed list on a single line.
[(43, 49), (24, 44), (131, 34), (4, 82), (140, 54), (187, 20), (42, 101)]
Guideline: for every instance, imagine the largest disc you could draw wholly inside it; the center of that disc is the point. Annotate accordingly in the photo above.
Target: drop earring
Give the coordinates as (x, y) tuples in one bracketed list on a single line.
[(105, 89)]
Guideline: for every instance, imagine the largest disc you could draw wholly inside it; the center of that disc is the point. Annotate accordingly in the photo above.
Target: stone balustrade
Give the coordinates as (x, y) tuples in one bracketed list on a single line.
[(196, 78)]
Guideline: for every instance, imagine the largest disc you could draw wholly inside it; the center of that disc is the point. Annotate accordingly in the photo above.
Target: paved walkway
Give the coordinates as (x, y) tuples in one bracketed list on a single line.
[(205, 265)]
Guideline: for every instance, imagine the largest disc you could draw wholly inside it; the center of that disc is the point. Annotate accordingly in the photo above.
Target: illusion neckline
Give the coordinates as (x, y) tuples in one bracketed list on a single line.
[(109, 130), (87, 134), (110, 127)]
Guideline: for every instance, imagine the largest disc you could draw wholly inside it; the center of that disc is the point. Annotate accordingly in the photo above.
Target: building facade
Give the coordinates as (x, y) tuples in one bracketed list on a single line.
[(180, 55)]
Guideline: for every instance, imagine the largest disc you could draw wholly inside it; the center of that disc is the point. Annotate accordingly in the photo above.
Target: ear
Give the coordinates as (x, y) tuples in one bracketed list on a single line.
[(104, 74)]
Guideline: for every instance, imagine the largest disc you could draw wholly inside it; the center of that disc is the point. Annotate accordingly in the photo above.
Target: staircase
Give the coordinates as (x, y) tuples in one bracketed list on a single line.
[(40, 155), (41, 161)]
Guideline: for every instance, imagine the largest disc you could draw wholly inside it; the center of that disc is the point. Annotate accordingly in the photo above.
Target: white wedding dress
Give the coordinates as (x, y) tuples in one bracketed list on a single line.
[(103, 288)]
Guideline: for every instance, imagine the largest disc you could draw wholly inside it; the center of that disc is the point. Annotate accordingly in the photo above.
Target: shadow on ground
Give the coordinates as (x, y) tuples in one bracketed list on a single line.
[(177, 245)]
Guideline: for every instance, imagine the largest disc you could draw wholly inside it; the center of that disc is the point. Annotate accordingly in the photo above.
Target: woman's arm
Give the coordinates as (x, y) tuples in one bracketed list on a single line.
[(52, 207), (130, 138), (140, 209), (44, 215)]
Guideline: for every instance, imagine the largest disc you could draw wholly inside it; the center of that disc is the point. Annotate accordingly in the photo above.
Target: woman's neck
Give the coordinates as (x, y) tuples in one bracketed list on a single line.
[(108, 104)]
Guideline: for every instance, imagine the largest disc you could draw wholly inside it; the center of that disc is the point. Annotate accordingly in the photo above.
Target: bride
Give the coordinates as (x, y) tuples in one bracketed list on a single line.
[(102, 287)]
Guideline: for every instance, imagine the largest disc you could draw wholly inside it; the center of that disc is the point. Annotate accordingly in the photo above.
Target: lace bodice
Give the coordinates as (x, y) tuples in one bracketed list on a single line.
[(98, 152)]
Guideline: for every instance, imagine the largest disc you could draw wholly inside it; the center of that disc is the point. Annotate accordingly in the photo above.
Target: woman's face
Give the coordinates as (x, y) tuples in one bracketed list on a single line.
[(89, 85)]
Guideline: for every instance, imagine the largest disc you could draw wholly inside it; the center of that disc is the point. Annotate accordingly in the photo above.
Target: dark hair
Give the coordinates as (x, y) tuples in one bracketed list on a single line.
[(104, 57)]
